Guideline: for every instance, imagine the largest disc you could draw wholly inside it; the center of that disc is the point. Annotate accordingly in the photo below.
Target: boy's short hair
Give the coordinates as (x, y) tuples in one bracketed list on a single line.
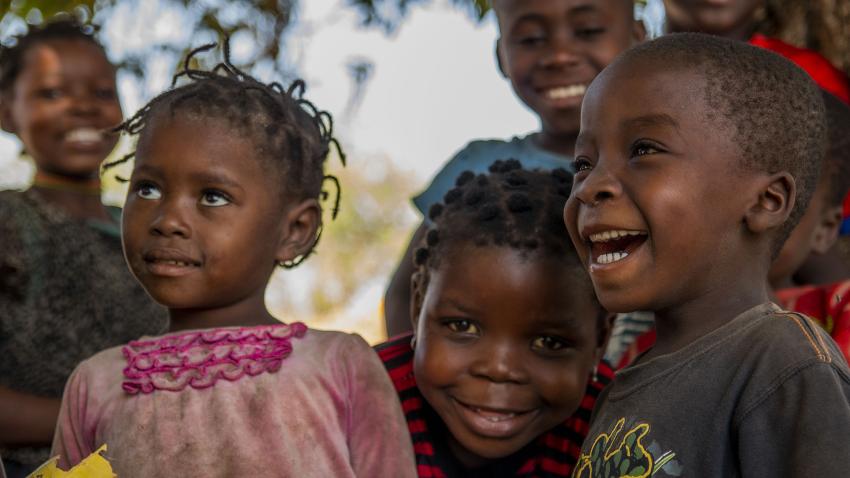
[(774, 109), (837, 163)]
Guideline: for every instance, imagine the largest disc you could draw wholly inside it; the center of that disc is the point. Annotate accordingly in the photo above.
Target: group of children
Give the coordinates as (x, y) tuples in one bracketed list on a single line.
[(685, 181)]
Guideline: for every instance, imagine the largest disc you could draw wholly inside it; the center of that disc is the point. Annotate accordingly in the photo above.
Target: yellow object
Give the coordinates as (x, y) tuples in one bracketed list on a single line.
[(94, 466)]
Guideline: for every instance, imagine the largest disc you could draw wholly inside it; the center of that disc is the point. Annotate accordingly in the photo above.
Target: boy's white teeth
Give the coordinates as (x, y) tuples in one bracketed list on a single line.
[(83, 135), (611, 257), (562, 92), (610, 235)]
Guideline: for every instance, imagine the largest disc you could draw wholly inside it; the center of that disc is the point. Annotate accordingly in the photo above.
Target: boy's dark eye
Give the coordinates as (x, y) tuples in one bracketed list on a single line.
[(581, 163), (531, 40), (643, 148), (589, 32), (105, 93), (549, 343), (49, 93), (462, 326)]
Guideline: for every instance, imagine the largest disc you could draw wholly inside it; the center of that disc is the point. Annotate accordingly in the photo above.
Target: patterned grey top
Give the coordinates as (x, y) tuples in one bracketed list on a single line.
[(65, 294)]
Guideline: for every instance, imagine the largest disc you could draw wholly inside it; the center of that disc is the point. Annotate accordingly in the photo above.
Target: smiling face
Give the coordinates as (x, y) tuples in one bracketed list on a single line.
[(659, 197), (727, 18), (204, 220), (552, 49), (60, 105), (505, 346)]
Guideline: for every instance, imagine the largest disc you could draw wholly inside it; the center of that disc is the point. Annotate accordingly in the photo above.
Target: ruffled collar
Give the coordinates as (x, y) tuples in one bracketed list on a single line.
[(199, 359)]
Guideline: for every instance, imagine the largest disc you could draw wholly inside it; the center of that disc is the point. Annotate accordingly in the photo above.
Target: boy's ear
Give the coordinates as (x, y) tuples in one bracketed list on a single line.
[(826, 232), (418, 283), (774, 203), (499, 60), (300, 227)]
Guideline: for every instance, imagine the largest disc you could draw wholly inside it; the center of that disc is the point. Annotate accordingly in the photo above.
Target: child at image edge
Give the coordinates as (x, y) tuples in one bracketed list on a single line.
[(681, 199), (225, 186), (65, 290)]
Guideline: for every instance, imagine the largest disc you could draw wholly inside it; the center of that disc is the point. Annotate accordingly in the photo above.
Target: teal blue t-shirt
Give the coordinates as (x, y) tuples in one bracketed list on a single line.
[(477, 156)]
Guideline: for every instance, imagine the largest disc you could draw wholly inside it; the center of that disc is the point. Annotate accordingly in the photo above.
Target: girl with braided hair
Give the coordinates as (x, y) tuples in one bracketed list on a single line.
[(502, 370), (226, 185)]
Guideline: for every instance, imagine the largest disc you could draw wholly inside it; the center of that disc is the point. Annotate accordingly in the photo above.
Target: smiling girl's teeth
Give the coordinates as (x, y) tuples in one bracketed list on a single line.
[(83, 135), (176, 263), (611, 257), (566, 92), (494, 417)]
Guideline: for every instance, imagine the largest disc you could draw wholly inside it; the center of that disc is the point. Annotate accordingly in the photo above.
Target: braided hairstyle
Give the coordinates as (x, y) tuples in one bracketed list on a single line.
[(289, 133), (12, 56), (509, 207)]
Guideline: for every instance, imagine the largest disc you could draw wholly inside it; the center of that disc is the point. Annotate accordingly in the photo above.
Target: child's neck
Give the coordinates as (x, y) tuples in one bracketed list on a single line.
[(563, 145), (682, 324), (77, 197), (246, 313)]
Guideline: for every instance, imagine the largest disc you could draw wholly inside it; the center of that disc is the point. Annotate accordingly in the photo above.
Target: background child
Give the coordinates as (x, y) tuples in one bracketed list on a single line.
[(817, 232), (225, 186), (681, 199), (65, 291), (507, 332), (550, 50)]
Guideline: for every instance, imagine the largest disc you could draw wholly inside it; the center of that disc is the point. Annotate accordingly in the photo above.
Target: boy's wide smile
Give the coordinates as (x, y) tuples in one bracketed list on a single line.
[(612, 245)]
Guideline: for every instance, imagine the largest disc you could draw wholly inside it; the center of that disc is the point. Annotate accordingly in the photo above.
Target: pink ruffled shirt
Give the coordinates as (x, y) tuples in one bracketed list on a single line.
[(273, 401)]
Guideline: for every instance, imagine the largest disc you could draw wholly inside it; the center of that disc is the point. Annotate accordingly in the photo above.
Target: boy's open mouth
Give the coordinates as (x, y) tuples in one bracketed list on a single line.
[(611, 246)]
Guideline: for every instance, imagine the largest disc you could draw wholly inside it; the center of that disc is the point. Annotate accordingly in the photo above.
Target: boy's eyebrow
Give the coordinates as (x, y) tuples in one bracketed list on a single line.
[(646, 121)]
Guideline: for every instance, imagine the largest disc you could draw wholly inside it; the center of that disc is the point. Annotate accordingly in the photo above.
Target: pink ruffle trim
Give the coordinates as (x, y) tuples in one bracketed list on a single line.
[(200, 359)]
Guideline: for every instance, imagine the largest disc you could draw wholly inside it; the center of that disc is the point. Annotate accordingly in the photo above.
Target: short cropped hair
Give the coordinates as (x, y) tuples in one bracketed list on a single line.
[(837, 164), (772, 108)]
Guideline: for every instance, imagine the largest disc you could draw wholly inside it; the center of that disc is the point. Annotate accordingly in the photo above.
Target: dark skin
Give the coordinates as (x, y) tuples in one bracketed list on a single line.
[(505, 344), (550, 50), (64, 87), (814, 236), (205, 223), (647, 163), (733, 19)]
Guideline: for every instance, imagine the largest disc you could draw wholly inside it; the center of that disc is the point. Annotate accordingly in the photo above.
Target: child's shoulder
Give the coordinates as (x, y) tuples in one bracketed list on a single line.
[(792, 339)]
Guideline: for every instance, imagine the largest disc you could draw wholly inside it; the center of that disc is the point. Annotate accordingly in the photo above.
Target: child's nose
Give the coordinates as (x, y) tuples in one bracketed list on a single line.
[(561, 53), (171, 222), (500, 363), (598, 185)]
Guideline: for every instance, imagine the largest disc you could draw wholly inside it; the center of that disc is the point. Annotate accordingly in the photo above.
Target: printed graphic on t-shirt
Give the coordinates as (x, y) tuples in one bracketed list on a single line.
[(626, 454)]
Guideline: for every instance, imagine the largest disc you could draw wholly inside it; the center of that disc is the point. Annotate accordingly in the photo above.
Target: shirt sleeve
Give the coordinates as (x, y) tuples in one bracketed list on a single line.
[(801, 426), (445, 179), (378, 439), (74, 436)]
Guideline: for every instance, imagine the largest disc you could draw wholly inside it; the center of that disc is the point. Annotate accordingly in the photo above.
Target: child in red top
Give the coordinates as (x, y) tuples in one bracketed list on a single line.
[(494, 381)]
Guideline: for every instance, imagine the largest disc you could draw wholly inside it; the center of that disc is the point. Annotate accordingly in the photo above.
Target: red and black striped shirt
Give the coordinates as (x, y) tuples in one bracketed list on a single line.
[(553, 454)]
